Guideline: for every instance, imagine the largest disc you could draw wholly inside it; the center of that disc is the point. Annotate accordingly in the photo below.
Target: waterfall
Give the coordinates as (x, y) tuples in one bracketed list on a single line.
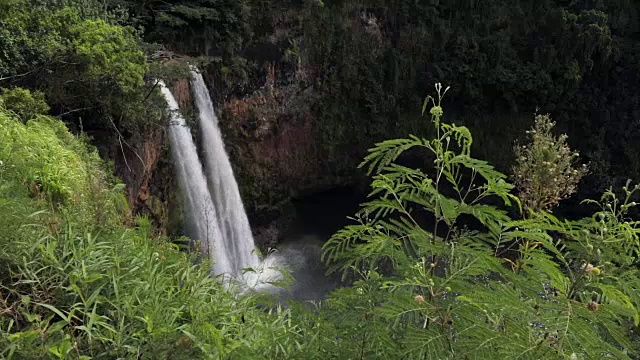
[(214, 213), (231, 217), (200, 212)]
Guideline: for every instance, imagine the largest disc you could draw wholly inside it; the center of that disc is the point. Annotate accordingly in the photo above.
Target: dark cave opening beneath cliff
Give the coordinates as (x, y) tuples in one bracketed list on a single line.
[(325, 212)]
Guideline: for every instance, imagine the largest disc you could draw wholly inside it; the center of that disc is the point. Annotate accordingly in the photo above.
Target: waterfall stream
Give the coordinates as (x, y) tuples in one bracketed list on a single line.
[(200, 213), (214, 213), (232, 219)]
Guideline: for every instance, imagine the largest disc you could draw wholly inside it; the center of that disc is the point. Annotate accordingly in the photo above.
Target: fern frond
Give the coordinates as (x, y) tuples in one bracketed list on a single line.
[(384, 153)]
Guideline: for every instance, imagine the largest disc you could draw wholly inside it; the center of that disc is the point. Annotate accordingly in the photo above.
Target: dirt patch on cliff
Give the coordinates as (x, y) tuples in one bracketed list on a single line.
[(182, 93)]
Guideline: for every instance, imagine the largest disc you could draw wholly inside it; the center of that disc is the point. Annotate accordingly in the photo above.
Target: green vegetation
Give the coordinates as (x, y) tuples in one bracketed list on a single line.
[(447, 258), (24, 103), (443, 266), (89, 68), (433, 286)]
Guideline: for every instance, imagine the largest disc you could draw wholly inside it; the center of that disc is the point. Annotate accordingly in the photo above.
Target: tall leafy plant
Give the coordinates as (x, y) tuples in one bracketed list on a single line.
[(445, 268)]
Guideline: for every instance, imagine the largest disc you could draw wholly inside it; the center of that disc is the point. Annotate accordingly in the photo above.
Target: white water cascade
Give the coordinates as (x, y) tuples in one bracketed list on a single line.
[(199, 209), (213, 206), (232, 218)]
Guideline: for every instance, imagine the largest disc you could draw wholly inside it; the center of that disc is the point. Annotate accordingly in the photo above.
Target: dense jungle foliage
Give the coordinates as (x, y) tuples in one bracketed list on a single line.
[(449, 257), (504, 60)]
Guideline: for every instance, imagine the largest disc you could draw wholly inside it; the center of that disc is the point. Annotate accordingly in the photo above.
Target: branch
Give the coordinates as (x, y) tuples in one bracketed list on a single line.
[(121, 140), (72, 111), (150, 91), (15, 76)]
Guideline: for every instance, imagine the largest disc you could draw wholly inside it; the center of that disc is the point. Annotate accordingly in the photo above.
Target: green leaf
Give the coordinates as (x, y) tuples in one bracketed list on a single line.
[(66, 318)]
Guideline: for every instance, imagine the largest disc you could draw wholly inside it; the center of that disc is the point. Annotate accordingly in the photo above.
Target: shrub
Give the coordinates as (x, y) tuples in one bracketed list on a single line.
[(544, 171), (24, 103), (443, 270)]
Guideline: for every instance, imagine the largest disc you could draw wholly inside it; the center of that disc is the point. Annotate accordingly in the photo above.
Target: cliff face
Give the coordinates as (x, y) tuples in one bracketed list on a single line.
[(272, 140), (145, 166), (182, 93), (137, 164)]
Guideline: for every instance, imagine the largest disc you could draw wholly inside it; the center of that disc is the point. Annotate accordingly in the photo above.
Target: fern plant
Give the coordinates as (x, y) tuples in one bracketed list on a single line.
[(447, 269)]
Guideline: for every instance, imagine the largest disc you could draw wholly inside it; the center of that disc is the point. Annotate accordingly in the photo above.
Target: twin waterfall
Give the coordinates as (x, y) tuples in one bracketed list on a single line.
[(214, 213)]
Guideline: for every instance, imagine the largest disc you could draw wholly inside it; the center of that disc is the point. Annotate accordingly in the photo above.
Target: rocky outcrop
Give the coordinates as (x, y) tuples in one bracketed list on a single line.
[(137, 165), (145, 167), (181, 90)]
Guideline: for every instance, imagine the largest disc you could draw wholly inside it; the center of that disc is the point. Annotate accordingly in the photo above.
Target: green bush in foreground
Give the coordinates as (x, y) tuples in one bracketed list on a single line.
[(446, 271)]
